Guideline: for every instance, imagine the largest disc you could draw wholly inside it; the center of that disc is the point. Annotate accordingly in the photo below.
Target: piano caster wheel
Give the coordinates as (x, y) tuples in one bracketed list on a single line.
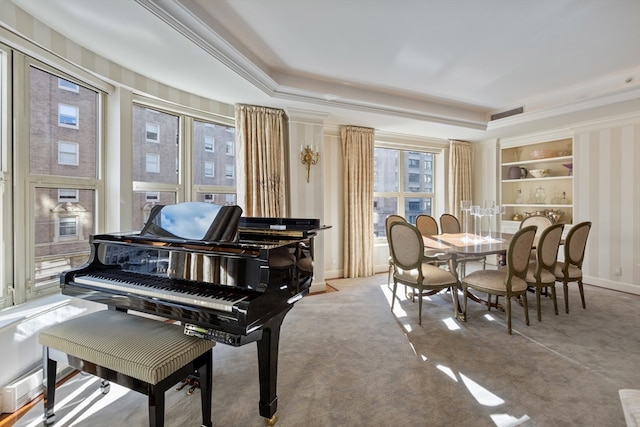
[(105, 386), (270, 421)]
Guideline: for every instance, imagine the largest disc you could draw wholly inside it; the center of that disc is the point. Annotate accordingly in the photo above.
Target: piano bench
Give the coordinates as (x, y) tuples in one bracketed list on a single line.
[(142, 354)]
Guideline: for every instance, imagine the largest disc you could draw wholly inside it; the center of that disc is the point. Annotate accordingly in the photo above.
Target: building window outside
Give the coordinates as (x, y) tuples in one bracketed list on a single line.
[(152, 132), (152, 163), (68, 227), (68, 153), (410, 196), (152, 196), (68, 195), (229, 172), (209, 143), (67, 85), (229, 148), (68, 116), (208, 169)]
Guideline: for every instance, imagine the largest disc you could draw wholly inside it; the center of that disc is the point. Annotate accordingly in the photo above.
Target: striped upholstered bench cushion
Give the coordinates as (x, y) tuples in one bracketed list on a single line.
[(142, 348)]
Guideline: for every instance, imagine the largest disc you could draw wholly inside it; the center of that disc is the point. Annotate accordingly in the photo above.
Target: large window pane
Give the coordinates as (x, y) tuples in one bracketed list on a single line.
[(418, 172), (382, 208), (62, 230), (409, 196), (64, 125), (155, 146), (214, 158), (385, 170)]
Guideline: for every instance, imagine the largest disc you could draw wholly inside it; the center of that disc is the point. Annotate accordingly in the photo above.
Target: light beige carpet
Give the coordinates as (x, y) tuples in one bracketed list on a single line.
[(347, 360)]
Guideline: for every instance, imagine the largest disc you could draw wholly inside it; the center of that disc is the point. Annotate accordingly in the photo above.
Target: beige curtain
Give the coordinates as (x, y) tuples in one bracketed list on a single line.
[(357, 151), (262, 184), (459, 175)]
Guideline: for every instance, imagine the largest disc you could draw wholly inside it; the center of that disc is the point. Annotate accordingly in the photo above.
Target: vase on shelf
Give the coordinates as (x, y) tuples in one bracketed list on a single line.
[(570, 167), (540, 195)]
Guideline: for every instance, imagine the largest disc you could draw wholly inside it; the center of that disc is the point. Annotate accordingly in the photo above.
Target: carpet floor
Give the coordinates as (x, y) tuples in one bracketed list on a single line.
[(347, 360)]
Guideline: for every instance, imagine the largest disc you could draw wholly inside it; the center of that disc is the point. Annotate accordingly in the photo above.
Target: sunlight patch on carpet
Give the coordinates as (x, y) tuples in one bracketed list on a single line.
[(481, 394)]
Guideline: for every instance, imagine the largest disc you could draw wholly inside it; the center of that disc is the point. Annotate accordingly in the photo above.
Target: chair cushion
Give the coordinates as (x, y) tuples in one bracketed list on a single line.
[(146, 349), (545, 275), (493, 280), (434, 277), (574, 272)]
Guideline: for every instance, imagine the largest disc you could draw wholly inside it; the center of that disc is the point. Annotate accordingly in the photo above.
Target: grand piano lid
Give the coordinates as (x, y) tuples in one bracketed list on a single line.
[(194, 221)]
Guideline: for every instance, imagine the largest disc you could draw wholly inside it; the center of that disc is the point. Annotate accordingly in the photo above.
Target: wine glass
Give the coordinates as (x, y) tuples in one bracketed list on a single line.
[(476, 211)]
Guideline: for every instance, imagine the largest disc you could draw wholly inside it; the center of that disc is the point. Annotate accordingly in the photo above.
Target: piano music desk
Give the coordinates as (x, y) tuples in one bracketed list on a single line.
[(142, 354)]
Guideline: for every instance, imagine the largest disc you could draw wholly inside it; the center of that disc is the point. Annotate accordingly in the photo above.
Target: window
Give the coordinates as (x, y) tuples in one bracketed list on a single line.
[(152, 132), (68, 153), (209, 144), (67, 195), (68, 227), (208, 169), (229, 148), (187, 141), (229, 171), (67, 85), (67, 116), (152, 163), (401, 186)]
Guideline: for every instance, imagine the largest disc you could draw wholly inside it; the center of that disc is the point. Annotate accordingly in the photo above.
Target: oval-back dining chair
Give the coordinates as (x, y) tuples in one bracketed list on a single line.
[(541, 273), (410, 266), (387, 224), (507, 282), (570, 270)]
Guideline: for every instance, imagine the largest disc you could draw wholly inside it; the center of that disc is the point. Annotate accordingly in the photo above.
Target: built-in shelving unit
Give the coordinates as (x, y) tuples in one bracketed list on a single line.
[(523, 194)]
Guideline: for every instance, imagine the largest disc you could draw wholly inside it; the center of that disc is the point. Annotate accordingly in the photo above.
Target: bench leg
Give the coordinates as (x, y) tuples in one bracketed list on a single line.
[(206, 385), (49, 367), (156, 407)]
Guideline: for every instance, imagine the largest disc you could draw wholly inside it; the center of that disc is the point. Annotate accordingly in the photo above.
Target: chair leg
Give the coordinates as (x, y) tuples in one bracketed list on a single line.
[(393, 296), (464, 304), (581, 293), (420, 307), (538, 304), (554, 297), (525, 305), (508, 298), (565, 287), (389, 276)]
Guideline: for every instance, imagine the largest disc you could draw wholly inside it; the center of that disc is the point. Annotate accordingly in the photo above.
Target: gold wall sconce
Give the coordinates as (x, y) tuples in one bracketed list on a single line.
[(309, 157)]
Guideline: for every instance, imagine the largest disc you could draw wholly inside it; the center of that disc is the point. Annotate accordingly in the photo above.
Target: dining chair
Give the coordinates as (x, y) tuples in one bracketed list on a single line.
[(428, 226), (411, 268), (570, 270), (539, 221), (509, 281), (541, 273), (387, 224), (450, 224)]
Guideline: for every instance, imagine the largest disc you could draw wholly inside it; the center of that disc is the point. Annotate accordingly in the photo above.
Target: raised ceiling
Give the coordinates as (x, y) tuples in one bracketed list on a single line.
[(431, 68)]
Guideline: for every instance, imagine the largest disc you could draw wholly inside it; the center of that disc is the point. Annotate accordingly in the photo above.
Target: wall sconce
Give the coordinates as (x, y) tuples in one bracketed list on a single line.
[(309, 157)]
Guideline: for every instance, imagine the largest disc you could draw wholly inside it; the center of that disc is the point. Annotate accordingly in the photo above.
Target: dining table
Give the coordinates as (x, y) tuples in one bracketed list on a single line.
[(457, 245)]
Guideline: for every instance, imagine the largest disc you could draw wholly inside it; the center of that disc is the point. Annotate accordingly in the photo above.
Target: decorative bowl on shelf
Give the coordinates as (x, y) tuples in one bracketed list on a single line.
[(539, 173), (542, 154)]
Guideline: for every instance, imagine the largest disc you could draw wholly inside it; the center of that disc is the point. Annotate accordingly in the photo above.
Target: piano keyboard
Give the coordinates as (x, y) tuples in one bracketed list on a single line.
[(178, 291)]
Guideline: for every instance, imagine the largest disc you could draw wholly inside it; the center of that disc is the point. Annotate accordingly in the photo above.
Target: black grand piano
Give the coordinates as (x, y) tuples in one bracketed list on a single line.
[(227, 278)]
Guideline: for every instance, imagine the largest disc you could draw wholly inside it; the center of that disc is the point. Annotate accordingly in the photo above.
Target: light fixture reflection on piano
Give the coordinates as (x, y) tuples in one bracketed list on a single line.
[(309, 157)]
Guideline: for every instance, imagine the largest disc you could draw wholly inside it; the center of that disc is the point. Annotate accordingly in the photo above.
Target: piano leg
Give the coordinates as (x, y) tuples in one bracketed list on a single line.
[(268, 367)]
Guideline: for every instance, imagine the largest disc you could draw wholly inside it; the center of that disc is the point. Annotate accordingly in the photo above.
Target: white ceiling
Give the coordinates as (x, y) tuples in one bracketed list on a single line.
[(433, 68)]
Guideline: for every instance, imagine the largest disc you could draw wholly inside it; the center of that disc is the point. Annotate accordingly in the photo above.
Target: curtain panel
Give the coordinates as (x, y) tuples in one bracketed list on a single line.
[(357, 151), (459, 175), (262, 183)]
